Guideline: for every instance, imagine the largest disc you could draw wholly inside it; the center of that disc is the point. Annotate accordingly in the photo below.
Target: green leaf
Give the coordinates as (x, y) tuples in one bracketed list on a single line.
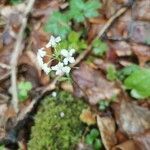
[(111, 73), (73, 41), (139, 83), (23, 89), (94, 133), (97, 144), (80, 9), (89, 140), (125, 72), (99, 47), (58, 24), (14, 2)]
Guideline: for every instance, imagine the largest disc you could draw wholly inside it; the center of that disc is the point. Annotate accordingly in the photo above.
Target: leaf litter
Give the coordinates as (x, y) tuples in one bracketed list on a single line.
[(124, 123)]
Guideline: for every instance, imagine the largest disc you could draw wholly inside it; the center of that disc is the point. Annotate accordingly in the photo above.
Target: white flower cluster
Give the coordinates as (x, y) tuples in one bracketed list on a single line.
[(62, 67)]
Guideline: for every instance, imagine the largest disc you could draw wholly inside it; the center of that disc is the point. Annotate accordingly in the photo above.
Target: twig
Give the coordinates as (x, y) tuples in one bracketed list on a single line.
[(4, 66), (15, 56), (100, 34)]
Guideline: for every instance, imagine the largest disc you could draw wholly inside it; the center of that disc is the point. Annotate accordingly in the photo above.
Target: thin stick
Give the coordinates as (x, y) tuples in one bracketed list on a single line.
[(100, 34), (15, 56)]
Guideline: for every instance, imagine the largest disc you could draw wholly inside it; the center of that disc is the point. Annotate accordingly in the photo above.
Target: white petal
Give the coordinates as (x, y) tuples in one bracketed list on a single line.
[(41, 52), (40, 60), (59, 72), (54, 68), (46, 69), (60, 65), (71, 60), (64, 52), (66, 69), (71, 52), (65, 61), (58, 39)]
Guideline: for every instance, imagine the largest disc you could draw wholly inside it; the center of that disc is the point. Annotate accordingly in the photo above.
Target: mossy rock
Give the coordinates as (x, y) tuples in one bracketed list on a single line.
[(57, 124)]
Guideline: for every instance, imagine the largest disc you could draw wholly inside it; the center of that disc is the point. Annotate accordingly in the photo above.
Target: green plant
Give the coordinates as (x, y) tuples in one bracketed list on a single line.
[(57, 124), (23, 89), (14, 2), (81, 9), (139, 83), (99, 47), (103, 104), (59, 23), (2, 148), (93, 139), (73, 41), (111, 73), (125, 72)]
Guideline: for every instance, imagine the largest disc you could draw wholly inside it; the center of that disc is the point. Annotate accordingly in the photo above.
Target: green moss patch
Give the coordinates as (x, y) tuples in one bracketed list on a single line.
[(57, 124)]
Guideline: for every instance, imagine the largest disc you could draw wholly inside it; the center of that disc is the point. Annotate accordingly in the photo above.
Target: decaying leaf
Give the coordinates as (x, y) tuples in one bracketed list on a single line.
[(91, 84), (141, 10), (133, 119), (107, 130), (128, 145), (87, 117), (142, 52), (143, 140), (139, 32)]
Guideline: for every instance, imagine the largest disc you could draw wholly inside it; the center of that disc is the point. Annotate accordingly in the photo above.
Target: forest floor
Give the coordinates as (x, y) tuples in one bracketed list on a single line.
[(75, 74)]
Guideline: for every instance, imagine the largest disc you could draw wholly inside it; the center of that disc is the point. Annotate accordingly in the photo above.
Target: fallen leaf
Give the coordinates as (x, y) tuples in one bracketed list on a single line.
[(128, 145), (142, 52), (107, 129), (143, 140), (141, 10), (87, 117), (139, 32), (91, 84), (133, 119)]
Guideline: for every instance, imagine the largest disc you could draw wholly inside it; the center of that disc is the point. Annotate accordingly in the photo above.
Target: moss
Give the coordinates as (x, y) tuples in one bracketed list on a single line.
[(57, 124)]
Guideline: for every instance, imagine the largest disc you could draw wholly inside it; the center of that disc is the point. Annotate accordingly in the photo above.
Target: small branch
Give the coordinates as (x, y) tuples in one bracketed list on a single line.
[(100, 34), (15, 56)]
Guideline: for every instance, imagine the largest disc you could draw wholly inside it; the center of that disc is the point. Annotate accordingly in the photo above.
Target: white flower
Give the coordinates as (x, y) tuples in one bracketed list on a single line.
[(53, 41), (40, 60), (62, 114), (41, 52), (60, 69), (45, 68), (66, 69), (68, 56)]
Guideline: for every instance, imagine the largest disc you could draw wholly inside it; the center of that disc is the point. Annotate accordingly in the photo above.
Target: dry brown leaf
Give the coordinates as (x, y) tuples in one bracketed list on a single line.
[(141, 10), (139, 31), (142, 52), (91, 84), (107, 129), (133, 119), (87, 117), (128, 145), (143, 140)]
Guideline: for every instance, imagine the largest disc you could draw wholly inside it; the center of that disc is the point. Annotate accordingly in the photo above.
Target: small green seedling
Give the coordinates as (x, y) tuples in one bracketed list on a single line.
[(23, 90), (103, 104), (81, 9), (93, 139), (15, 2), (99, 47), (111, 73), (59, 22), (73, 41)]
